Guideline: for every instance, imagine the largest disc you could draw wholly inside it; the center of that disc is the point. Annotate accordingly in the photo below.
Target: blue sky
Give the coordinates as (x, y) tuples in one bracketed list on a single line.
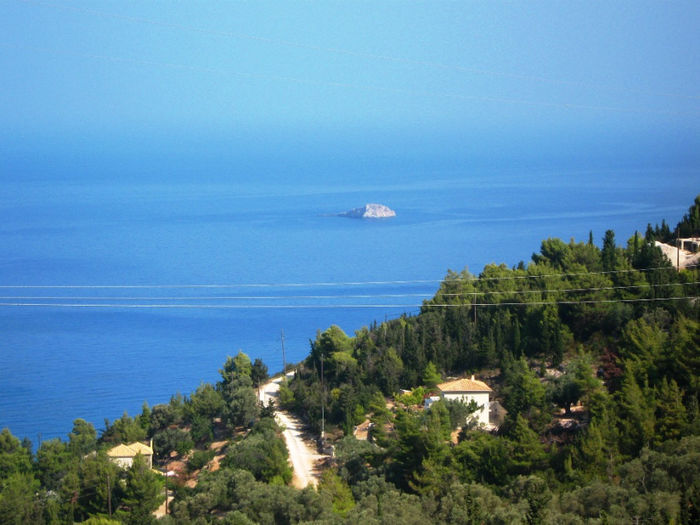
[(478, 77)]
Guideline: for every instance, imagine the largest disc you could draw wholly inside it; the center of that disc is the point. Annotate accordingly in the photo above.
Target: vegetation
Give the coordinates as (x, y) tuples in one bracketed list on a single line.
[(592, 353)]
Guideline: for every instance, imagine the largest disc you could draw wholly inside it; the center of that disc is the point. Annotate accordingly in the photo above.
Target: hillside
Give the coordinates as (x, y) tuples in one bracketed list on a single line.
[(591, 352)]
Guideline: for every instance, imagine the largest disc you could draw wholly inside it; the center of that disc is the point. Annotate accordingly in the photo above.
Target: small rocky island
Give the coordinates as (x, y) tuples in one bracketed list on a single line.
[(370, 211)]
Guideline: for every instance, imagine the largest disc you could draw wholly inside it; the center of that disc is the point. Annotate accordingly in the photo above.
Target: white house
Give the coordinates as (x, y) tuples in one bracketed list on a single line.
[(123, 455), (466, 390)]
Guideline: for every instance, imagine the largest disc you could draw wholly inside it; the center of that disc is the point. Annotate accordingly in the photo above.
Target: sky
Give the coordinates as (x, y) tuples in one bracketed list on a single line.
[(404, 79)]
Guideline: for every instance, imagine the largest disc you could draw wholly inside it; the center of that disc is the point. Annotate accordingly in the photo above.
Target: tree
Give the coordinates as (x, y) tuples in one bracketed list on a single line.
[(636, 417), (690, 225), (205, 401), (241, 402), (565, 391), (172, 439), (483, 457), (53, 460), (258, 373), (14, 458), (460, 411), (609, 252), (523, 394), (162, 416), (333, 488), (535, 492), (144, 419), (387, 370), (577, 382), (671, 418), (526, 452), (681, 359), (99, 483), (123, 430), (554, 335), (83, 438), (553, 252), (235, 367), (143, 493), (18, 504), (431, 377), (263, 453)]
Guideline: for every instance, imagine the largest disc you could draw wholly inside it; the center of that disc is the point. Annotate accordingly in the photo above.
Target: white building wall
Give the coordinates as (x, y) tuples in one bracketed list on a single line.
[(481, 399)]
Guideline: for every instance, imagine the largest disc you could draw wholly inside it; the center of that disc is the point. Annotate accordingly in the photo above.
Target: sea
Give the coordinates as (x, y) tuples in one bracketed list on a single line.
[(119, 290)]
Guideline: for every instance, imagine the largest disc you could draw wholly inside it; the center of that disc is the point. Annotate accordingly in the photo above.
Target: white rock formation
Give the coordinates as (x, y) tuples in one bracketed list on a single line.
[(370, 211)]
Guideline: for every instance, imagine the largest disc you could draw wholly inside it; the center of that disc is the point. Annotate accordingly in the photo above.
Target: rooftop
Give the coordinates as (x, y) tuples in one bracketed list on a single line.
[(130, 450), (464, 385)]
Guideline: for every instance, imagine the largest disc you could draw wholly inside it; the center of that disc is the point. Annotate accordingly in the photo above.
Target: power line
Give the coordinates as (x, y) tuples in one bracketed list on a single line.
[(335, 306), (591, 301), (221, 286), (451, 279), (447, 280), (210, 297), (564, 290), (335, 296), (210, 306)]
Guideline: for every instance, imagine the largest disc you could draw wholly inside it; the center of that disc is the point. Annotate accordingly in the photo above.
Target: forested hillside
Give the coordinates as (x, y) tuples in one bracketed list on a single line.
[(593, 354), (613, 330)]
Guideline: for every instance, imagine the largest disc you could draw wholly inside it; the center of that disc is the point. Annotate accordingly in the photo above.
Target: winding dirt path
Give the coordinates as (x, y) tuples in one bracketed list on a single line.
[(302, 454)]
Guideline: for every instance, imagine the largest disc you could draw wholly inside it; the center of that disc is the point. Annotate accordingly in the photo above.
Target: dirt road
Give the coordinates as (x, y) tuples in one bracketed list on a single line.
[(302, 454)]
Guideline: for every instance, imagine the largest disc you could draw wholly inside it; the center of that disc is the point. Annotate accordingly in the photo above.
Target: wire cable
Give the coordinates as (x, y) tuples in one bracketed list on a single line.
[(335, 296), (447, 280), (337, 306)]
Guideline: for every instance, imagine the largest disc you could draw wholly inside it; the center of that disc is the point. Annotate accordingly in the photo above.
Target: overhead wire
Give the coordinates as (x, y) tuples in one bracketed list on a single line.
[(447, 280), (215, 301), (565, 290), (338, 306), (337, 296)]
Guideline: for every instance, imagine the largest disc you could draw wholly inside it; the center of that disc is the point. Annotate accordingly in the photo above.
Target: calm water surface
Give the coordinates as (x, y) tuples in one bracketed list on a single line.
[(147, 237)]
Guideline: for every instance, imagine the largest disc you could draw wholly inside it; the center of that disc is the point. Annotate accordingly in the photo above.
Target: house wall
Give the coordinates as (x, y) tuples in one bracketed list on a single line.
[(124, 462), (481, 398)]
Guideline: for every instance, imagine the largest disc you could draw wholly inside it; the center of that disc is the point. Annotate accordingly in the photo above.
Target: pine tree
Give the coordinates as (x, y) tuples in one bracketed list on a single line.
[(608, 253), (431, 377), (671, 418), (636, 417), (142, 494)]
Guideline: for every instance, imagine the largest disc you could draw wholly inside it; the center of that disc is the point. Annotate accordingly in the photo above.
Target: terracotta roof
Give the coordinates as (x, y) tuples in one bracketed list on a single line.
[(121, 451), (142, 449), (464, 385), (129, 451)]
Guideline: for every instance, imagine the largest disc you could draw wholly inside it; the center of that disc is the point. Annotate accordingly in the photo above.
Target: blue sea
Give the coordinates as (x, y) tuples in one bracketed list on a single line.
[(122, 289)]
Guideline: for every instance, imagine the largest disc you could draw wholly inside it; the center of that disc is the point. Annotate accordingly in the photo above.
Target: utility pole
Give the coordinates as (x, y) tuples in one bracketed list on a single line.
[(109, 495), (284, 360), (678, 251), (323, 404)]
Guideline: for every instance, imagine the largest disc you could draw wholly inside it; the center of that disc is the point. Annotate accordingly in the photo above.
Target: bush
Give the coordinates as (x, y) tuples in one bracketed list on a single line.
[(199, 459), (165, 441)]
